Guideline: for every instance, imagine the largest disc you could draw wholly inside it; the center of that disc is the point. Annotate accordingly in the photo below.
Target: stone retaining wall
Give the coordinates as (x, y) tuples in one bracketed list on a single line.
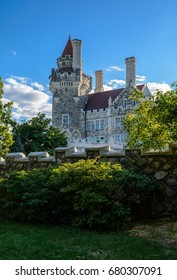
[(161, 167)]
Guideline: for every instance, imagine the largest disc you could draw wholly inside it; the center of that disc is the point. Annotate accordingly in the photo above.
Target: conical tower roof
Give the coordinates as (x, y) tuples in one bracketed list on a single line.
[(68, 50)]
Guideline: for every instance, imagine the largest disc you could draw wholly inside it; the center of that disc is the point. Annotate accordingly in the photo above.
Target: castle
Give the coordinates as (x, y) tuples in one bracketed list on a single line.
[(95, 117)]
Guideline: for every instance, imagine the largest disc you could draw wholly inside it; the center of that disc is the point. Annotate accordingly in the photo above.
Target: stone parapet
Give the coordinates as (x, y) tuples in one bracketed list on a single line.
[(161, 167)]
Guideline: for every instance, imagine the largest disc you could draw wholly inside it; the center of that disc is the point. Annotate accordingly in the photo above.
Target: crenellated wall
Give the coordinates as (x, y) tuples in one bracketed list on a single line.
[(161, 167)]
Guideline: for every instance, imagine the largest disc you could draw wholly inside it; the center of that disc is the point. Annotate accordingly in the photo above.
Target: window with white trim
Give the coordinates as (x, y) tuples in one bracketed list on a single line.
[(65, 119)]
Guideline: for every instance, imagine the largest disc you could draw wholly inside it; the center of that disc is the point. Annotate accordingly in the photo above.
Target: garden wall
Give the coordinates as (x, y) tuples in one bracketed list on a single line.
[(161, 167)]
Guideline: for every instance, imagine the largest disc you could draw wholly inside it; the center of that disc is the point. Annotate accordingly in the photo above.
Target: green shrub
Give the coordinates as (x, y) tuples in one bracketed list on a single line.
[(88, 194), (134, 189)]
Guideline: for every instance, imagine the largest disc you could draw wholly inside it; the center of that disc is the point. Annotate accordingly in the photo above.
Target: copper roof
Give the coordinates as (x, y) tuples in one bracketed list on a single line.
[(68, 50), (99, 100)]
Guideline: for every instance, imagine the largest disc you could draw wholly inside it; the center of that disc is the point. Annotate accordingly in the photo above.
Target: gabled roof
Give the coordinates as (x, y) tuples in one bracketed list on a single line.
[(99, 100), (68, 50)]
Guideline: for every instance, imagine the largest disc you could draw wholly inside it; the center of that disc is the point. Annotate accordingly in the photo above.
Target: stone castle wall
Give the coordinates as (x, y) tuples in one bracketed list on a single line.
[(160, 167)]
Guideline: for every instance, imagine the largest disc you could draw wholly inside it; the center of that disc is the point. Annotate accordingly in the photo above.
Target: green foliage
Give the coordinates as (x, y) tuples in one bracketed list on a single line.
[(37, 135), (5, 120), (152, 124), (88, 194)]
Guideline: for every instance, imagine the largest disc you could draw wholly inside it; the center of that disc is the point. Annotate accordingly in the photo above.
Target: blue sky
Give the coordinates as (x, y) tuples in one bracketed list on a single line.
[(34, 34)]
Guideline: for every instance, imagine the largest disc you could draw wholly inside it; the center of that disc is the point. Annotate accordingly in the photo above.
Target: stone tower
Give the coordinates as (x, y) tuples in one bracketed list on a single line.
[(69, 87)]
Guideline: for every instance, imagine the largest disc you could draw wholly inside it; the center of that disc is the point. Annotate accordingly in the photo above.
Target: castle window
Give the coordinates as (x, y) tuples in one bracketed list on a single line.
[(133, 103), (118, 122), (88, 125), (93, 126), (65, 119), (69, 73), (97, 125), (102, 125), (125, 103), (122, 137)]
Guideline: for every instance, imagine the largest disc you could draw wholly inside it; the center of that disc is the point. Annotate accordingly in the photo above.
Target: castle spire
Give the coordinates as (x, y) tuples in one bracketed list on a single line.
[(68, 50)]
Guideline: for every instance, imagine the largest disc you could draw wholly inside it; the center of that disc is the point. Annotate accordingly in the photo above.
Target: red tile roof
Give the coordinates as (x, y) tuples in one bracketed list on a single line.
[(99, 100), (68, 50)]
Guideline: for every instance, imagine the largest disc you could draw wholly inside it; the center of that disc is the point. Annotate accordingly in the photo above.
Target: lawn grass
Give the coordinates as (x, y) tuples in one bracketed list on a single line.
[(36, 242)]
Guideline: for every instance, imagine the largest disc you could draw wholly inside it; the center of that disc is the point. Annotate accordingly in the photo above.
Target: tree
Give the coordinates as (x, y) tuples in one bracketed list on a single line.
[(153, 122), (37, 135), (6, 138)]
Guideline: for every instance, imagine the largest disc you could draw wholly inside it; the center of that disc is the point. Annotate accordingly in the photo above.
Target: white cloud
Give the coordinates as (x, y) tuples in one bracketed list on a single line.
[(38, 86), (106, 87), (29, 98), (113, 84), (158, 86), (140, 78), (115, 68), (21, 79)]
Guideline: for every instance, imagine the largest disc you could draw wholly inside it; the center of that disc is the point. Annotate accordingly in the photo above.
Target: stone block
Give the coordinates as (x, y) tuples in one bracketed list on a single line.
[(39, 154), (160, 175), (12, 157), (150, 159), (156, 164), (15, 155), (167, 166), (174, 172), (171, 181), (163, 159), (47, 159), (62, 153), (148, 170), (171, 192), (169, 205)]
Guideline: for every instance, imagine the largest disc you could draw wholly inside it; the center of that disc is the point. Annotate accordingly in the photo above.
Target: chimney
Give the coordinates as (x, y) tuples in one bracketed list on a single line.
[(130, 71), (77, 54), (99, 81)]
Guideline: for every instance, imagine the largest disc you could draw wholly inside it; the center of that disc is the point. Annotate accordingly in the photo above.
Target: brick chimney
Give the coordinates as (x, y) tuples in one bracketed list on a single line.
[(77, 54), (99, 81), (130, 71)]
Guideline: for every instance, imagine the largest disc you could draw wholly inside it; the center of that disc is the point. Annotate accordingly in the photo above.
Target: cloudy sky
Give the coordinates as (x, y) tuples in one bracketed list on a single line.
[(34, 34)]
